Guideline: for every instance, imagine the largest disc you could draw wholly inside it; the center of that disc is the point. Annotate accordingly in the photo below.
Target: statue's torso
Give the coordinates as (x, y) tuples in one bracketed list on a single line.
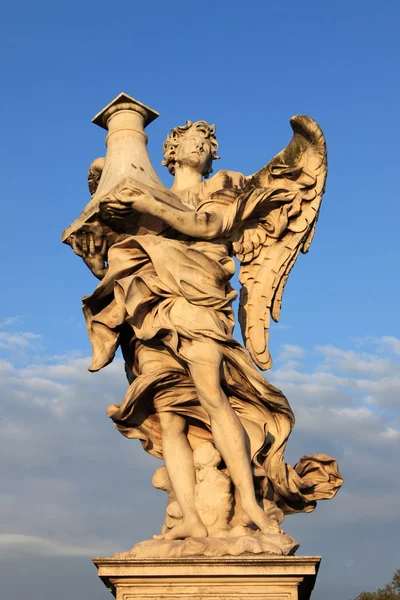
[(223, 180), (200, 198)]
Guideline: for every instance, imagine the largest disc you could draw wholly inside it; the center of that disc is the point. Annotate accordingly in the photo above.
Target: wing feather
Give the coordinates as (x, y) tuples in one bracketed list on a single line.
[(269, 247)]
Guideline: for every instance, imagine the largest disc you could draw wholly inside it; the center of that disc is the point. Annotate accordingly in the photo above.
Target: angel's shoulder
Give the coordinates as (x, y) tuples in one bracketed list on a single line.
[(221, 191), (224, 180)]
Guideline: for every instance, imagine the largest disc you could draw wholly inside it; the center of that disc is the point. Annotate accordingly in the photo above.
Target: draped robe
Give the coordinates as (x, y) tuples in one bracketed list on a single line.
[(158, 294)]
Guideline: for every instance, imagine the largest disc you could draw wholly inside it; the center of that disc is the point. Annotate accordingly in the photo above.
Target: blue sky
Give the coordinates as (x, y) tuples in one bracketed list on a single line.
[(247, 67)]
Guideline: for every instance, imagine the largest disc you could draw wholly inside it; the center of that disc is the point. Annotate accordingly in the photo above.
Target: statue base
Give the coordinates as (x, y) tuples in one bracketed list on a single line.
[(200, 578)]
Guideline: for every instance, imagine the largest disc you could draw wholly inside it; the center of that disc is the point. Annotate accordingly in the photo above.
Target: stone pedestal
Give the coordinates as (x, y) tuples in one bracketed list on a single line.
[(200, 578)]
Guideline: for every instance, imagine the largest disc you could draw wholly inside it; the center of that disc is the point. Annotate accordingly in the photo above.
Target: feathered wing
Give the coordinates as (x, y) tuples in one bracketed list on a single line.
[(283, 204)]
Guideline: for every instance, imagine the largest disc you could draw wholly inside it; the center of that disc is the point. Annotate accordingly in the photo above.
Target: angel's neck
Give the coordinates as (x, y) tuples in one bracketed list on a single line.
[(185, 178)]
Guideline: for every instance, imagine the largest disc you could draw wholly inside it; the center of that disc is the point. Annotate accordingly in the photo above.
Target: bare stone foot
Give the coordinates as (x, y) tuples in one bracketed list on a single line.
[(265, 524), (188, 528)]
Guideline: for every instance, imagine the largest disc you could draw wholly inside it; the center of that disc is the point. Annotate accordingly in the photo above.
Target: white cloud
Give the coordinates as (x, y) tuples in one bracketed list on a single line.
[(383, 393), (16, 344), (349, 411), (70, 480), (290, 352), (11, 321), (392, 342), (14, 545), (383, 344), (21, 339), (74, 486), (354, 363)]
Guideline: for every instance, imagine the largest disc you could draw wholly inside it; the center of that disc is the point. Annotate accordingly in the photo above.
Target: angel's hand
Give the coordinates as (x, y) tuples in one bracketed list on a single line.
[(92, 248), (144, 203), (122, 204)]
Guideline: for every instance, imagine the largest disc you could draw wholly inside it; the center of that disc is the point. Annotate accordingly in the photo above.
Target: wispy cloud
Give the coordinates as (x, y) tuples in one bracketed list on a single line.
[(13, 545), (9, 321), (19, 339), (85, 482), (291, 352)]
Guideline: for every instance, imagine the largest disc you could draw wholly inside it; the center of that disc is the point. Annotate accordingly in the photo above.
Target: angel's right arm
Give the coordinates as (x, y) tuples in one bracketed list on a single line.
[(204, 225)]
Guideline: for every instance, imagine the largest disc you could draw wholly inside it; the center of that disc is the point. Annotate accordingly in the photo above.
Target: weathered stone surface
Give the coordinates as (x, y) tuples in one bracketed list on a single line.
[(237, 542), (272, 578), (196, 397), (220, 510)]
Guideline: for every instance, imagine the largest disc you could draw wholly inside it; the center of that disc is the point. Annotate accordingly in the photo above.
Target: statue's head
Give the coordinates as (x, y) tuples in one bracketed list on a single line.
[(193, 144)]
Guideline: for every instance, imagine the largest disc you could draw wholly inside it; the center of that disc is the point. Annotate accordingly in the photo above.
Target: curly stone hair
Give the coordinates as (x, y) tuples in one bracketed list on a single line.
[(172, 142)]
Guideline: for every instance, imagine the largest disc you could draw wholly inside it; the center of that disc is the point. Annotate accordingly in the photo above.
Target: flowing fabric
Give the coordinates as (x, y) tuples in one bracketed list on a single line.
[(158, 295)]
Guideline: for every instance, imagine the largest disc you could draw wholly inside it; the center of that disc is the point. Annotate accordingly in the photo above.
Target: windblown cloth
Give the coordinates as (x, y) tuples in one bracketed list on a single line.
[(157, 296)]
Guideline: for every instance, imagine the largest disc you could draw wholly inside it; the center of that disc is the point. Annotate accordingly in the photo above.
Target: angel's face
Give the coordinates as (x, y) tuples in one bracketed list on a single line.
[(194, 150)]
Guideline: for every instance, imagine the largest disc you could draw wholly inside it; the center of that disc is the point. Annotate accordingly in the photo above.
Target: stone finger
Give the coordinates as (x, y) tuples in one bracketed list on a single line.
[(92, 247)]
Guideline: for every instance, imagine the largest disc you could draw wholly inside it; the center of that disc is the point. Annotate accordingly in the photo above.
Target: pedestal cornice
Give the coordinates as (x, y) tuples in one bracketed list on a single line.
[(198, 578)]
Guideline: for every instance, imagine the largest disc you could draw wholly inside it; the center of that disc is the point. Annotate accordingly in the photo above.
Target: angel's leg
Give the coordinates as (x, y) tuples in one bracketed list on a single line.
[(228, 433), (178, 457), (177, 453)]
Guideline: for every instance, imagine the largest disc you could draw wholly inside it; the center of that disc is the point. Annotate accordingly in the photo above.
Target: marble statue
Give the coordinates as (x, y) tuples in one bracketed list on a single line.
[(196, 397)]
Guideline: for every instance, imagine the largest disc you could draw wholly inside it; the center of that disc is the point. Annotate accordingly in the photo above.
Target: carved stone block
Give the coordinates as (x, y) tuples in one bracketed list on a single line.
[(199, 578)]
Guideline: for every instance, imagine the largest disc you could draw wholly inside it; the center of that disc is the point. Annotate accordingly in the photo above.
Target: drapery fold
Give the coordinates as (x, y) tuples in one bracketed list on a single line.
[(160, 294)]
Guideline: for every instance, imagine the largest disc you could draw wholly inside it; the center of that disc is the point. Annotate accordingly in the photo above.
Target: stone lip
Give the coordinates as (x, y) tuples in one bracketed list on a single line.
[(305, 564), (248, 563), (149, 114)]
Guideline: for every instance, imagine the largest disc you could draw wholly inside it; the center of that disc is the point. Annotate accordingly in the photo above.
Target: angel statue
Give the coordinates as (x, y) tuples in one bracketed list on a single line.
[(196, 397)]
